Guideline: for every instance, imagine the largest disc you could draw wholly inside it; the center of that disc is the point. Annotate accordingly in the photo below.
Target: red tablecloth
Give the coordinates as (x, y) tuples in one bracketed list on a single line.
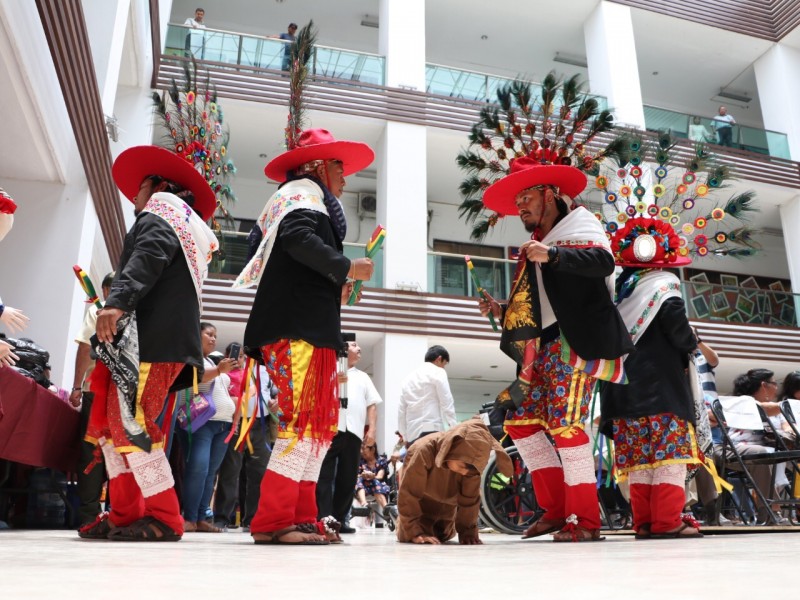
[(36, 427)]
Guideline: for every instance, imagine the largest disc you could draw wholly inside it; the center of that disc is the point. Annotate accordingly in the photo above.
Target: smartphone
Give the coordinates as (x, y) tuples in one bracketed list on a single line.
[(236, 350)]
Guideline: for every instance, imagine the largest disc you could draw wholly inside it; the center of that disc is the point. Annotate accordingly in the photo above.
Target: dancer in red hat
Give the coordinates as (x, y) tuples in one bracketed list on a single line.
[(657, 218), (148, 339), (559, 324), (295, 323), (295, 326)]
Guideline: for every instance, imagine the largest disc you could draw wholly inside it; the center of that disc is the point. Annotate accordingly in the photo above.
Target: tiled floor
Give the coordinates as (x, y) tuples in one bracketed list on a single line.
[(372, 565)]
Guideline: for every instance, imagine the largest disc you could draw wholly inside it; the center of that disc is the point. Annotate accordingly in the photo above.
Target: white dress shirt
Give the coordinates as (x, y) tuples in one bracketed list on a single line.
[(361, 393), (426, 403)]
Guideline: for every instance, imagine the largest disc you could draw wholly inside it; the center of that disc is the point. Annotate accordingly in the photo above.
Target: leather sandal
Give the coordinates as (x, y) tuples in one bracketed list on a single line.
[(97, 529), (148, 529), (543, 527), (578, 533), (277, 537), (643, 532), (677, 533)]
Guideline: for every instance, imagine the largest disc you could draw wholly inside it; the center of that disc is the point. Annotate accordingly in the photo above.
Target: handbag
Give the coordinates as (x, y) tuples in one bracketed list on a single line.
[(196, 411)]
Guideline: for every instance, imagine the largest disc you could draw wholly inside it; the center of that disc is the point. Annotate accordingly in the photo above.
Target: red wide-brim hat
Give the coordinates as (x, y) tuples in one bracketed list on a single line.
[(527, 172), (319, 144), (138, 162)]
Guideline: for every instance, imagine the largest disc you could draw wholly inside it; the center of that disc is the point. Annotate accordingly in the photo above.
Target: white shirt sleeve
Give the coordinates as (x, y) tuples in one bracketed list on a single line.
[(446, 402), (401, 417)]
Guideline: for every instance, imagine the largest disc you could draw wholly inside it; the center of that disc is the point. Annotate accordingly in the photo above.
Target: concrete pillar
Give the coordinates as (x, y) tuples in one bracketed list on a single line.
[(778, 89), (106, 22), (611, 57), (401, 39), (790, 222), (395, 356)]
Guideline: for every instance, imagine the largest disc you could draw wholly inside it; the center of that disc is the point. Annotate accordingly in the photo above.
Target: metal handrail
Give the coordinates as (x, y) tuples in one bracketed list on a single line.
[(267, 37)]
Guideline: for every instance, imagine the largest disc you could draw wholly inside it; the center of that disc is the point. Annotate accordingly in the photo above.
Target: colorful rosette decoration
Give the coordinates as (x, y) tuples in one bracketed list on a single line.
[(670, 194)]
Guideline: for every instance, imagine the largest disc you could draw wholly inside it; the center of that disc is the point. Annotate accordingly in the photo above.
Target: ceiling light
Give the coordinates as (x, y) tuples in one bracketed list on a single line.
[(738, 97), (484, 37), (262, 155), (370, 21), (575, 61)]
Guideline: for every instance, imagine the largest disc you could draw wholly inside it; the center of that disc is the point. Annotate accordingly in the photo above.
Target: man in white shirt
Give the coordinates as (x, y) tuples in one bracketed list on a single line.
[(426, 403), (339, 471)]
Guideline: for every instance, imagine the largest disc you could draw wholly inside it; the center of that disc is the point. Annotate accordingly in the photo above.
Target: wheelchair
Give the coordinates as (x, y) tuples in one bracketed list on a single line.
[(509, 505)]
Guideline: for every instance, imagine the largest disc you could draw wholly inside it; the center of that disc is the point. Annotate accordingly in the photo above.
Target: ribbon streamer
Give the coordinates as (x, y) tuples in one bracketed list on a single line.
[(373, 246)]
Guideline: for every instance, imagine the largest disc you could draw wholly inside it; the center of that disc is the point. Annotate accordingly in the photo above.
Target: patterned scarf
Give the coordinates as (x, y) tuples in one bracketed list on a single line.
[(197, 240), (303, 193), (332, 203), (641, 296)]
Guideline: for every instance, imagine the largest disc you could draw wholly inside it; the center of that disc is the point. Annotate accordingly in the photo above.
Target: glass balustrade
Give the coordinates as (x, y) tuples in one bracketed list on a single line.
[(472, 85), (270, 53), (701, 129)]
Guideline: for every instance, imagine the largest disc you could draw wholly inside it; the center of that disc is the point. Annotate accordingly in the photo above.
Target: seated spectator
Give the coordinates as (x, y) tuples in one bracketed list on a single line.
[(760, 384), (373, 472), (204, 447), (791, 388), (440, 495)]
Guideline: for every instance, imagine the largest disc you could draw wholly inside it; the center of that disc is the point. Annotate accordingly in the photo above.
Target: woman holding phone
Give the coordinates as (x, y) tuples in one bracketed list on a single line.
[(204, 447)]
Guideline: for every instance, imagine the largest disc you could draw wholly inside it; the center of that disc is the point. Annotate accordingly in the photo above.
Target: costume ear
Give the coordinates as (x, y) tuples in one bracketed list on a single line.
[(449, 439), (503, 461)]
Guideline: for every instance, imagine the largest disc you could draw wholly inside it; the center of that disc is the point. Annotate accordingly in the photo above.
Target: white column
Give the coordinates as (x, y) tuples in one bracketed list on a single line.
[(778, 89), (403, 205), (401, 39), (394, 357), (611, 57), (106, 22), (790, 222)]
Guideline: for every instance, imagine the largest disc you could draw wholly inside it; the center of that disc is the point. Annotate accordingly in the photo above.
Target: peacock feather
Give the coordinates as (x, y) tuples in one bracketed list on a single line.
[(554, 126)]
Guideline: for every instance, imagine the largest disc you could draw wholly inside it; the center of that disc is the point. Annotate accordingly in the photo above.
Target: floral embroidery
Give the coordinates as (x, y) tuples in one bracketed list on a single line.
[(186, 228), (676, 287), (647, 442)]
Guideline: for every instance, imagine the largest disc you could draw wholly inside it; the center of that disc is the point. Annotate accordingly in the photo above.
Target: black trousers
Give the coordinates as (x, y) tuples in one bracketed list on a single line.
[(90, 486), (337, 477), (233, 465)]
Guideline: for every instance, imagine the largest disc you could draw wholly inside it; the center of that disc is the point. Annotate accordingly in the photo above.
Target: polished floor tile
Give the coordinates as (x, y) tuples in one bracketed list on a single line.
[(372, 565)]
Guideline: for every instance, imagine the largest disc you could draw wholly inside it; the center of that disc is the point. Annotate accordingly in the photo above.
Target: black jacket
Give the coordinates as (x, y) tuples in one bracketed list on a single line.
[(154, 280), (299, 296), (656, 370), (577, 291)]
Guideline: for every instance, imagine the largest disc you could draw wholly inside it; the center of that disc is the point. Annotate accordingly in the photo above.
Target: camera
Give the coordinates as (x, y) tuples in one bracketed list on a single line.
[(236, 350)]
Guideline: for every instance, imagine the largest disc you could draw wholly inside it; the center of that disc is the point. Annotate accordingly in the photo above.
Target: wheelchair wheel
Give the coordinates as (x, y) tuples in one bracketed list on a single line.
[(508, 503)]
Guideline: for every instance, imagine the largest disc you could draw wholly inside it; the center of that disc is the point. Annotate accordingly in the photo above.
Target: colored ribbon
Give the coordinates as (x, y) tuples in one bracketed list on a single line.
[(87, 286), (373, 246)]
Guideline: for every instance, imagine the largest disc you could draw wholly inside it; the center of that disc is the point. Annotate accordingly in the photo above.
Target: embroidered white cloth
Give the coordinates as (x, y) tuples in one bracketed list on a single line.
[(580, 229), (294, 195), (197, 240), (638, 309)]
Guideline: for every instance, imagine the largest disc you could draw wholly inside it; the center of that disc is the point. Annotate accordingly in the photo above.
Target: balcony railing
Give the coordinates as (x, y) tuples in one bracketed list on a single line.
[(701, 129), (270, 53), (473, 85)]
